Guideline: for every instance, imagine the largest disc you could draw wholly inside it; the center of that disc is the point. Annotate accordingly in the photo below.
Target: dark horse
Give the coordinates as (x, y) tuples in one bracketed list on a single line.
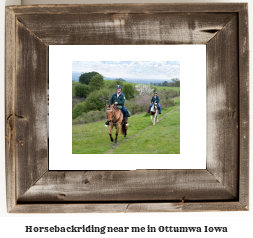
[(115, 118)]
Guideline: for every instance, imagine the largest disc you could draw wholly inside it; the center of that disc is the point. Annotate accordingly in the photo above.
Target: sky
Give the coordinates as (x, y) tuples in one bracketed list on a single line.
[(130, 69)]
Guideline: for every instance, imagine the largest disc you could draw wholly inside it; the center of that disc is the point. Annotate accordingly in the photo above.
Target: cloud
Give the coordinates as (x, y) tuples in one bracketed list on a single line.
[(131, 69)]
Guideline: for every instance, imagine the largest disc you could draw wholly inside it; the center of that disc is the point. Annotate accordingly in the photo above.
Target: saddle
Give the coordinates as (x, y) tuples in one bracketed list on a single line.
[(128, 112)]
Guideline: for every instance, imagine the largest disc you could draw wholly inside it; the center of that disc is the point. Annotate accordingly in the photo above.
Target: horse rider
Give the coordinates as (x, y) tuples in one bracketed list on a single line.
[(154, 99), (118, 98)]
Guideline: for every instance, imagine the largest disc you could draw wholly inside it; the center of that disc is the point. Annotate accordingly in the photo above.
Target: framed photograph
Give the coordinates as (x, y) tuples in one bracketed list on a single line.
[(72, 69), (145, 70)]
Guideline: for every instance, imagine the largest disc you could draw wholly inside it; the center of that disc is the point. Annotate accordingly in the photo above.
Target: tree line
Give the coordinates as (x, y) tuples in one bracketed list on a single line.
[(93, 92), (175, 83), (96, 93), (92, 81)]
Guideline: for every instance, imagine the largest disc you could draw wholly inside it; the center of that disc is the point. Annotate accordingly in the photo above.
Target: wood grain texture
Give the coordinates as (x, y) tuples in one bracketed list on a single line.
[(223, 107), (155, 8), (140, 185), (121, 29), (30, 108), (244, 106), (129, 207), (186, 207), (9, 109), (223, 186)]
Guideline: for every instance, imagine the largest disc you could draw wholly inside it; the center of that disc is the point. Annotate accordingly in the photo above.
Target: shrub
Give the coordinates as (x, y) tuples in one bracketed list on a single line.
[(144, 102), (138, 104), (91, 116), (167, 94), (81, 90), (95, 101), (76, 100), (166, 97), (144, 89), (112, 85), (154, 88), (119, 82), (98, 98), (128, 90), (96, 83), (78, 110)]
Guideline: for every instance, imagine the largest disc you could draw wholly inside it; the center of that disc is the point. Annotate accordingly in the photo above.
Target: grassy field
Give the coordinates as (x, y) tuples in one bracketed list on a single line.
[(168, 88), (142, 137), (163, 138)]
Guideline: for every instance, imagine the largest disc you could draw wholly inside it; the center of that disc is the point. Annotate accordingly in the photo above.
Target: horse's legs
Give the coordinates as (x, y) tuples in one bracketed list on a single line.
[(115, 142), (117, 132), (126, 129), (151, 119), (110, 133)]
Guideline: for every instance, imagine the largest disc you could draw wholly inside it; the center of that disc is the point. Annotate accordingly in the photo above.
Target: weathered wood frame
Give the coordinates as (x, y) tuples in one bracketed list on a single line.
[(223, 186)]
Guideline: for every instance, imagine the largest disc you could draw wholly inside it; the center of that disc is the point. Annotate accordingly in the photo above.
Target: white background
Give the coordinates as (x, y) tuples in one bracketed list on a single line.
[(192, 121), (12, 225)]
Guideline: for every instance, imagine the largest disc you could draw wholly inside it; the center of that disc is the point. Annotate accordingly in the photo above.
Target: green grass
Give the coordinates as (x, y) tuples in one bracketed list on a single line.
[(93, 138), (176, 100), (163, 138), (168, 88)]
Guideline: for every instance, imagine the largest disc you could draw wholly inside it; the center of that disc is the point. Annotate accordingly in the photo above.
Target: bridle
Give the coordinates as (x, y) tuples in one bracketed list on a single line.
[(114, 122), (155, 105)]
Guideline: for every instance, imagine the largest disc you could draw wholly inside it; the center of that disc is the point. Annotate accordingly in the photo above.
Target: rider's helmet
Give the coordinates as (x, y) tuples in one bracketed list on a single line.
[(155, 92), (119, 86)]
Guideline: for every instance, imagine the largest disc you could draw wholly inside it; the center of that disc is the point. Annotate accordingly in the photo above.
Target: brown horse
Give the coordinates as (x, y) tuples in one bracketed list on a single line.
[(115, 118)]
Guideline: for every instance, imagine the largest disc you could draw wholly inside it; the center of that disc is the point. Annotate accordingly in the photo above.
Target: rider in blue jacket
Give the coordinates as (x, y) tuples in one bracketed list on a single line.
[(155, 98)]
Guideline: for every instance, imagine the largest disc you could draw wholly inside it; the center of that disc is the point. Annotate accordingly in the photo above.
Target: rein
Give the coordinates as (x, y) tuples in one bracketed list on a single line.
[(114, 122)]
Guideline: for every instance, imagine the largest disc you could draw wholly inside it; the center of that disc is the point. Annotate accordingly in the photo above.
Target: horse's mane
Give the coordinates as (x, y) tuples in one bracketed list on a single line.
[(112, 106), (116, 108)]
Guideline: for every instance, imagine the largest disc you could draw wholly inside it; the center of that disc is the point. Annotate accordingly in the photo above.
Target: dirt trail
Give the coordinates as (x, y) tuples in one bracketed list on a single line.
[(129, 138)]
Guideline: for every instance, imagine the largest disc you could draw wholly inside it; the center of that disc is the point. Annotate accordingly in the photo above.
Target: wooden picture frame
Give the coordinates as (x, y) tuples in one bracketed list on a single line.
[(222, 186)]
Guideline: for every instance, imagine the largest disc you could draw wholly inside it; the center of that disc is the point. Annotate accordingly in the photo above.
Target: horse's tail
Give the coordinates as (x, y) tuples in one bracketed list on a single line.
[(123, 129)]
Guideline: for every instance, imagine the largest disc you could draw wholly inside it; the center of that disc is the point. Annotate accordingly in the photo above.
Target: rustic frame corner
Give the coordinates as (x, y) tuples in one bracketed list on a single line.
[(223, 186)]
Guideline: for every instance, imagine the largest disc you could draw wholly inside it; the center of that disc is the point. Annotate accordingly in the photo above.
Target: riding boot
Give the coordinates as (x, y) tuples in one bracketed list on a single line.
[(107, 123), (160, 112), (148, 111)]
